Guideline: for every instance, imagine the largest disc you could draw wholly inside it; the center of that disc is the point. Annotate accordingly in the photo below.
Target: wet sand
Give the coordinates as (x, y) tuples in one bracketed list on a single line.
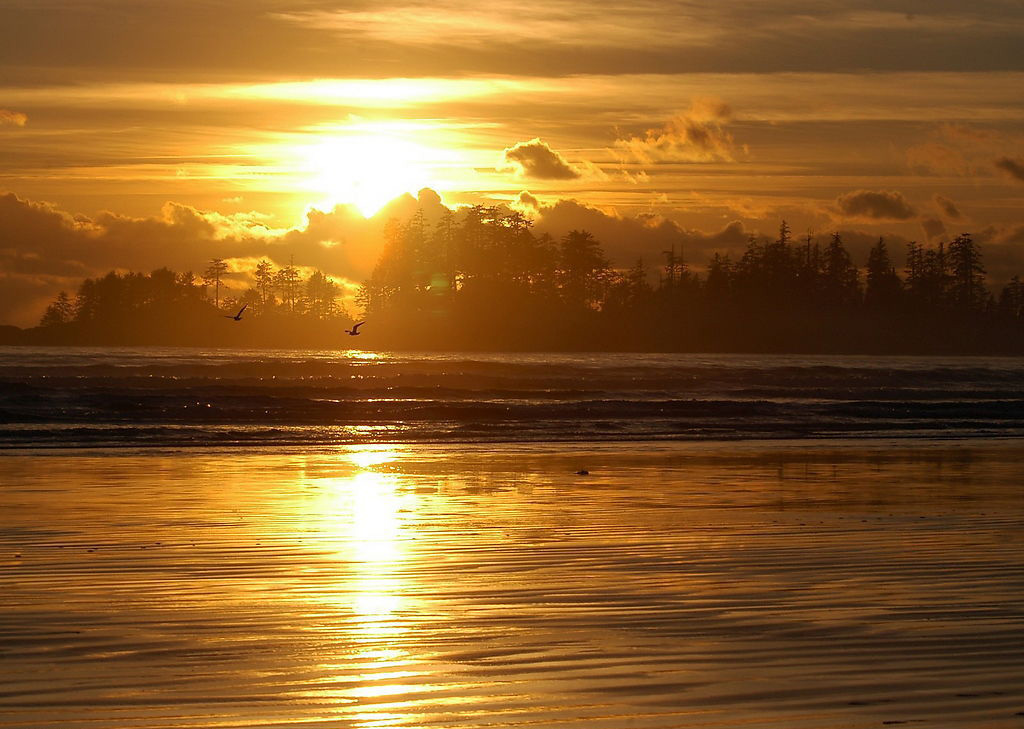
[(789, 585)]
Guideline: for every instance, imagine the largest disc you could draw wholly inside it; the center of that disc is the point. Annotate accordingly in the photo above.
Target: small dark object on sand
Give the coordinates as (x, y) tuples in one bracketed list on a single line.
[(583, 472)]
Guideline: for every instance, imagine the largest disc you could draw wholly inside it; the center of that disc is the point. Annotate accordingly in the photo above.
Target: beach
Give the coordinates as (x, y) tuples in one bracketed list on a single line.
[(756, 583)]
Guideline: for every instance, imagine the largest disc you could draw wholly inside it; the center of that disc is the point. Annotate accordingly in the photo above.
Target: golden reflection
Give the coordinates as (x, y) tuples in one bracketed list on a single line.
[(368, 456), (361, 355), (368, 516)]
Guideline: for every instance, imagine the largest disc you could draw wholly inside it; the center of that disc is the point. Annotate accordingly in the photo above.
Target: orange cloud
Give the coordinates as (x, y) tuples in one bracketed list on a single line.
[(12, 118), (538, 161), (697, 135)]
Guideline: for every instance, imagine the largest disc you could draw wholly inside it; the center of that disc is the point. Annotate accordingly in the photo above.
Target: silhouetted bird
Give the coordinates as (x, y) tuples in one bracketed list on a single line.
[(354, 331), (238, 316)]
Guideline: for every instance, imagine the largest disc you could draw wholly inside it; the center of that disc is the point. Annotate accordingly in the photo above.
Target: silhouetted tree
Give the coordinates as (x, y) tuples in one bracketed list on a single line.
[(213, 274), (1011, 300), (61, 311), (287, 282), (583, 271), (840, 277), (264, 279), (883, 286), (321, 296), (967, 275)]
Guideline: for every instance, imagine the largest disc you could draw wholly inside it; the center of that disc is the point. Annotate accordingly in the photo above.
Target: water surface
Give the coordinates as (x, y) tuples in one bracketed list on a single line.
[(182, 397), (786, 585)]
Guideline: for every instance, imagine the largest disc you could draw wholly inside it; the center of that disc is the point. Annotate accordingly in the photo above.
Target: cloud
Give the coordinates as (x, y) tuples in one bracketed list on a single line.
[(933, 228), (527, 201), (626, 238), (1012, 167), (44, 249), (538, 161), (874, 205), (938, 158), (947, 207), (697, 135), (12, 118), (957, 149), (1002, 249)]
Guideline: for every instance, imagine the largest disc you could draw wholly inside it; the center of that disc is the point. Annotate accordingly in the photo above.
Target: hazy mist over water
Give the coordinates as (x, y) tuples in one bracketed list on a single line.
[(187, 397)]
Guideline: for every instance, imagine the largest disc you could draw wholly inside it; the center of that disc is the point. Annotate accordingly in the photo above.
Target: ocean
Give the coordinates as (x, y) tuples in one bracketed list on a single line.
[(191, 397), (353, 540)]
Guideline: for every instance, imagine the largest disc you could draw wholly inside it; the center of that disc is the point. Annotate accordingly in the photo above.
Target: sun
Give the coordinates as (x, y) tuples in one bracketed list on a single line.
[(365, 170)]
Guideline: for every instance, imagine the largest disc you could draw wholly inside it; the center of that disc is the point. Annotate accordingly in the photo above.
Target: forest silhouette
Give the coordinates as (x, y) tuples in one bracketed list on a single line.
[(485, 281)]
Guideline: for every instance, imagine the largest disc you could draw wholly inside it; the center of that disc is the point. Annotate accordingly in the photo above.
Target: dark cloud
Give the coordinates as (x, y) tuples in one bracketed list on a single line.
[(46, 249), (538, 161), (695, 135), (874, 205), (1012, 167), (947, 207), (933, 228), (626, 238), (54, 40)]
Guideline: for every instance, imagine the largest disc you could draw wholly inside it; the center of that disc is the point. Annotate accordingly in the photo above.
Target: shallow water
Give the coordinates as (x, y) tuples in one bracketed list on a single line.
[(792, 585)]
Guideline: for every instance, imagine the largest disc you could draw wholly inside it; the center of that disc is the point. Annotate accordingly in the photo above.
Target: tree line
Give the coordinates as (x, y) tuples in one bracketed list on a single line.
[(165, 307), (486, 280)]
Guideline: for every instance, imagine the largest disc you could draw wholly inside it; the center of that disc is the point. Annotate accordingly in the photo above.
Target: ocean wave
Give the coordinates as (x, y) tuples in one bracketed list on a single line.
[(194, 397)]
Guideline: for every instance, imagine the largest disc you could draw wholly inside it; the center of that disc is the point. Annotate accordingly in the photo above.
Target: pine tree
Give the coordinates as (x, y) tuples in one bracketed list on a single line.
[(264, 278), (968, 275), (60, 311), (883, 288), (213, 274), (287, 282)]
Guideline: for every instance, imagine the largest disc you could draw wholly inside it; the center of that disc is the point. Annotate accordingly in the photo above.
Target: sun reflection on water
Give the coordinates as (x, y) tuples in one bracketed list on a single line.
[(363, 355), (369, 517)]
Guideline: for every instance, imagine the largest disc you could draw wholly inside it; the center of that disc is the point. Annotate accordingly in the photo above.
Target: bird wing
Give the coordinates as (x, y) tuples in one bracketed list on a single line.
[(356, 326), (241, 310)]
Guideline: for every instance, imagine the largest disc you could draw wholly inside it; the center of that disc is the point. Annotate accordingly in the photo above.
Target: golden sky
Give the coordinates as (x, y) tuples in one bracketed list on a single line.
[(135, 135)]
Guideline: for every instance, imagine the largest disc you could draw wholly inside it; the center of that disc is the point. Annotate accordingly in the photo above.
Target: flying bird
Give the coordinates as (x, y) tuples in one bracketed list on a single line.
[(354, 331), (238, 316)]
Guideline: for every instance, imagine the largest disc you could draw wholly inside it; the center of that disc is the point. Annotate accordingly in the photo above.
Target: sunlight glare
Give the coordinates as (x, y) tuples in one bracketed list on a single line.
[(364, 170), (366, 456)]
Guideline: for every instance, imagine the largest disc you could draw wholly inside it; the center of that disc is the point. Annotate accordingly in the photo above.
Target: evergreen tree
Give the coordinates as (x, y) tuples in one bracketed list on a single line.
[(321, 296), (1011, 300), (213, 275), (967, 274), (583, 270), (60, 311), (264, 279), (883, 284), (287, 282), (840, 277)]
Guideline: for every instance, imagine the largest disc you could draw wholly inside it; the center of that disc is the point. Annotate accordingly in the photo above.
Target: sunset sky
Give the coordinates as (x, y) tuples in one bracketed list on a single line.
[(135, 135)]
